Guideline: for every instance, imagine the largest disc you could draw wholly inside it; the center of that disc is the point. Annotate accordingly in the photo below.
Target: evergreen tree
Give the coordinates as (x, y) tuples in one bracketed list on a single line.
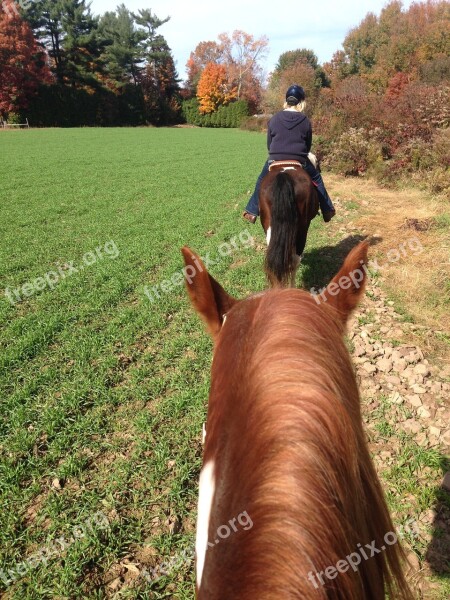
[(45, 19), (123, 50), (160, 73), (68, 31), (81, 48), (120, 56)]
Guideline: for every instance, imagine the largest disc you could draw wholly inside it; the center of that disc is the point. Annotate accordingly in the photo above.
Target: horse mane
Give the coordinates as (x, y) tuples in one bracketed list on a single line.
[(285, 421)]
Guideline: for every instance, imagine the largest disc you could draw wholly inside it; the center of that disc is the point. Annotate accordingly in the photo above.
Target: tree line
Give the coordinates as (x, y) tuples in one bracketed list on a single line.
[(387, 111), (381, 106), (65, 66), (61, 65)]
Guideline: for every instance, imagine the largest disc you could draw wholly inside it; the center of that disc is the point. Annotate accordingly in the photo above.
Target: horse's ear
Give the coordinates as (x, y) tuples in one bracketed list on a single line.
[(208, 297), (345, 289)]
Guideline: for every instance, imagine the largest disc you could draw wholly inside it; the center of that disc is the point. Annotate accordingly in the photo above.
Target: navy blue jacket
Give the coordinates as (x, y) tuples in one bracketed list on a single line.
[(289, 136)]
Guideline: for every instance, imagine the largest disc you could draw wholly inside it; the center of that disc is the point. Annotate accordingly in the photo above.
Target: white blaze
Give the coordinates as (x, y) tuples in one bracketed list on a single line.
[(205, 498), (203, 434)]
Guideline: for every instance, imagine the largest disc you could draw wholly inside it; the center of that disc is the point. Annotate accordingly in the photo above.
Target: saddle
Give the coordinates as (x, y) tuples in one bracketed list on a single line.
[(286, 165), (290, 165)]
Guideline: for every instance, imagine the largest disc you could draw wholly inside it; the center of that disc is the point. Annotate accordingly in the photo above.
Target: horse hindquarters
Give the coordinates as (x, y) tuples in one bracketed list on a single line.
[(281, 261)]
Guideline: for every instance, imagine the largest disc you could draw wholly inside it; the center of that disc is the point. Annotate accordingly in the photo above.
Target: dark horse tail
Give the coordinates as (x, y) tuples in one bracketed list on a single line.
[(281, 261)]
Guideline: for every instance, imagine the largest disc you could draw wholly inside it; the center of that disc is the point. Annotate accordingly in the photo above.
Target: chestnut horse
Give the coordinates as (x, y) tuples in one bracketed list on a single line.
[(287, 203), (285, 447)]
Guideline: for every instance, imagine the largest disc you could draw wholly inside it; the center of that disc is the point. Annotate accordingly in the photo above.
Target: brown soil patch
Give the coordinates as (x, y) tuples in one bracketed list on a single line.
[(412, 250)]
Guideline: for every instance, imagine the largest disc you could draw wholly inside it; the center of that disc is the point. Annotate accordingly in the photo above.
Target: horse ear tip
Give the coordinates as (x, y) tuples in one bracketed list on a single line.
[(365, 245), (362, 249)]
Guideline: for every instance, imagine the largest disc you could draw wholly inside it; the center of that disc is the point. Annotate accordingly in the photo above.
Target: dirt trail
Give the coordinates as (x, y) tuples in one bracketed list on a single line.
[(405, 396), (402, 367)]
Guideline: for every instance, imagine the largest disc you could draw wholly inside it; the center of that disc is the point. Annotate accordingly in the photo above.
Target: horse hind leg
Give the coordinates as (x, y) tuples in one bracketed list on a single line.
[(297, 261), (298, 254)]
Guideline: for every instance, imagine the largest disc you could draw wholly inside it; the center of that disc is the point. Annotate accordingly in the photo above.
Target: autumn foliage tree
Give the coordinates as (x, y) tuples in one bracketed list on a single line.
[(299, 66), (214, 88), (204, 53), (160, 87), (396, 41), (240, 54), (23, 64), (390, 96)]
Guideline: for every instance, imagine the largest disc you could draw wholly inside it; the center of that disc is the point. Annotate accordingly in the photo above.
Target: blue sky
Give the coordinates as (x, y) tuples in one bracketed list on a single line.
[(320, 25)]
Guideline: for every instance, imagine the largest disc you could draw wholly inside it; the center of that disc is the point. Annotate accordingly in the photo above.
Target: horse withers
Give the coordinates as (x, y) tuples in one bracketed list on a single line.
[(290, 505), (288, 202)]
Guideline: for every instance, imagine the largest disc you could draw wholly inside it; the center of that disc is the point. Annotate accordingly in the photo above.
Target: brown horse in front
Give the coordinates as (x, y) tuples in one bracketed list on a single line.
[(287, 203), (285, 447)]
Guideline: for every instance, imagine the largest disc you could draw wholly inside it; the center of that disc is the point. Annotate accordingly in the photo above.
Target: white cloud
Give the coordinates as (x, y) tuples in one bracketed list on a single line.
[(320, 25)]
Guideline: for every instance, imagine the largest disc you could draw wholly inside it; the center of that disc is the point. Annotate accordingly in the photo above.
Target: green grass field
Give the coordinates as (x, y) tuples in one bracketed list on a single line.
[(102, 390)]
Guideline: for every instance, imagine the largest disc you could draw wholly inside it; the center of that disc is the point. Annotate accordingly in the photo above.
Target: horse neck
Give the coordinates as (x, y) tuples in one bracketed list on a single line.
[(286, 439)]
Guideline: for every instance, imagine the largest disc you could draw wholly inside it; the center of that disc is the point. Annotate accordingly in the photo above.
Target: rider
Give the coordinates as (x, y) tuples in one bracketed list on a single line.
[(289, 137)]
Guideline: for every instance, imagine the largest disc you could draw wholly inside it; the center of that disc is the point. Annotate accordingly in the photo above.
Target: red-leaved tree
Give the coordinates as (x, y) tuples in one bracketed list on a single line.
[(22, 63)]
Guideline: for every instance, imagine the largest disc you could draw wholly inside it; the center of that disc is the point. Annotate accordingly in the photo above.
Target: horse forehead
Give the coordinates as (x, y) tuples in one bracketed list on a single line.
[(246, 313), (239, 320), (246, 308)]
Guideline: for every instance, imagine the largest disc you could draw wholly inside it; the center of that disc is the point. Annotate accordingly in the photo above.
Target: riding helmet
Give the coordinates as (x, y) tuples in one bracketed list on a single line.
[(295, 94)]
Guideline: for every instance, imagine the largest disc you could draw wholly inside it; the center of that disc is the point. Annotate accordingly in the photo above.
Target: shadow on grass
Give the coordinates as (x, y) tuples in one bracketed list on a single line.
[(438, 552), (320, 265)]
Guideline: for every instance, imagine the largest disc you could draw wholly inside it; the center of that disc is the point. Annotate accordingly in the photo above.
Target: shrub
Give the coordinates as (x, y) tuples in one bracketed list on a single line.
[(190, 112), (431, 163), (415, 155), (437, 180), (426, 163), (432, 106), (354, 153), (255, 123), (64, 106), (14, 118), (226, 116)]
